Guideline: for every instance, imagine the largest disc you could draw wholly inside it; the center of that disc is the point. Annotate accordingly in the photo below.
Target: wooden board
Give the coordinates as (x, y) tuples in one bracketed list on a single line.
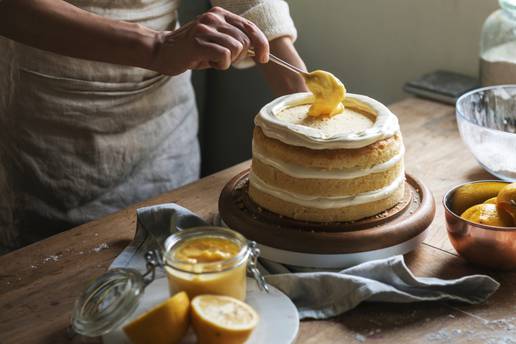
[(39, 283)]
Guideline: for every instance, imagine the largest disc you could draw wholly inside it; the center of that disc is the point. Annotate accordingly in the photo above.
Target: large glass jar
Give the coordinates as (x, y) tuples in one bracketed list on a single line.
[(498, 46)]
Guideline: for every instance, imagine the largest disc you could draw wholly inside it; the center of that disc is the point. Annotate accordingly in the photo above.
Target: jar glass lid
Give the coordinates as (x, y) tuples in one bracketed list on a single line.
[(107, 302)]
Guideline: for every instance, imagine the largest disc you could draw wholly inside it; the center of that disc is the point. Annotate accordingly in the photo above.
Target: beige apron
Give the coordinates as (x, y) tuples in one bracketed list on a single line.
[(81, 139)]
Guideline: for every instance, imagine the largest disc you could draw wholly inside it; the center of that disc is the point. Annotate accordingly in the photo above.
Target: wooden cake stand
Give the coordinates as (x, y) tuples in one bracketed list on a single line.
[(328, 245)]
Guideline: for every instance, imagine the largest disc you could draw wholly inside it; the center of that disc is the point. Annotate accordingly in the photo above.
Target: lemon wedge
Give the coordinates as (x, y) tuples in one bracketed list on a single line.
[(222, 319), (166, 323)]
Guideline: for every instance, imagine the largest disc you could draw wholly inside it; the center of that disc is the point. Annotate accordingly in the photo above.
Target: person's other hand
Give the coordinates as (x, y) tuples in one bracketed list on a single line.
[(215, 39)]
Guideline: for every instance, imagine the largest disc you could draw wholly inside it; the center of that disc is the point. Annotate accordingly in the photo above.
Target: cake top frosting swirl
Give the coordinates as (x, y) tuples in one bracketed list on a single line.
[(362, 122)]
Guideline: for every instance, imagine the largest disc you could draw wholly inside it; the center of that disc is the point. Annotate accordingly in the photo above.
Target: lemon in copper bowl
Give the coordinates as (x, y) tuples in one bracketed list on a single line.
[(480, 219)]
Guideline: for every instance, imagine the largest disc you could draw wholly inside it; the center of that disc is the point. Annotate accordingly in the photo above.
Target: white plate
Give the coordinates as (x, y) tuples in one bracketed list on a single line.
[(279, 320)]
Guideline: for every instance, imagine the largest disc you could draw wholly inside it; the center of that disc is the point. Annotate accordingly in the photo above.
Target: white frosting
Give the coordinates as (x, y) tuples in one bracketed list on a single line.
[(316, 173), (327, 202), (296, 134)]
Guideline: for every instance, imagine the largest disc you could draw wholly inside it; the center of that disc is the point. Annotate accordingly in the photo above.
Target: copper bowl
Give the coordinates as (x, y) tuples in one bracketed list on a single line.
[(484, 245)]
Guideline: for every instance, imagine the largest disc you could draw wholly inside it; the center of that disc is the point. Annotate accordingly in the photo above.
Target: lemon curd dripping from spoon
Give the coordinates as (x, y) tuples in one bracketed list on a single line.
[(328, 91)]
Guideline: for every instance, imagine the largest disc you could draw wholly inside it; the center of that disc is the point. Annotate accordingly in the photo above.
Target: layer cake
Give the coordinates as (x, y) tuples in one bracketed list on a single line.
[(326, 169)]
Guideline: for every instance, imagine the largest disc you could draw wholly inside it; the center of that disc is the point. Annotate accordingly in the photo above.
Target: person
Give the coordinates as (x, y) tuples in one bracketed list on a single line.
[(96, 106)]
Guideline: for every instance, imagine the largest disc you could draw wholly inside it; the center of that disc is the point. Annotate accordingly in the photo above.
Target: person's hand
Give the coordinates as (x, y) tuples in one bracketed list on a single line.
[(215, 39)]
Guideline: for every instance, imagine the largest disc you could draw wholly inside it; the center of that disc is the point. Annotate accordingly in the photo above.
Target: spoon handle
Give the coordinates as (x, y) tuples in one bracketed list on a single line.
[(282, 63)]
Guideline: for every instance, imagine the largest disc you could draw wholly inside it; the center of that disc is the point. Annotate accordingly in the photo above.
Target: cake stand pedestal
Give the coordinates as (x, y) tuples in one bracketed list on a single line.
[(328, 245)]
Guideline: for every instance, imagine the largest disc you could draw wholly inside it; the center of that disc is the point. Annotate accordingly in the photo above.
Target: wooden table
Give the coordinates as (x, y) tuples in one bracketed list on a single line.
[(39, 283)]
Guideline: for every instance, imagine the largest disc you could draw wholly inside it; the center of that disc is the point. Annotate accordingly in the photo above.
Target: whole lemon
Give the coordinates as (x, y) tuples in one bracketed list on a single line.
[(506, 201), (468, 195)]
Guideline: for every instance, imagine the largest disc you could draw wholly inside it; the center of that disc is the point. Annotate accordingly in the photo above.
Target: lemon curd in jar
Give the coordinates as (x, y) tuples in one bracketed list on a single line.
[(207, 261)]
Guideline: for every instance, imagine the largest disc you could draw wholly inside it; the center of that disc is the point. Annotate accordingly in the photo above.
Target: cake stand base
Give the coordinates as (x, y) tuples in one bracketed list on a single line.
[(328, 245)]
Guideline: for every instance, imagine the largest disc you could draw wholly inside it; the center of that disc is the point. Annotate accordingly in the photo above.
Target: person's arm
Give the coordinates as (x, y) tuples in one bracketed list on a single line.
[(281, 80), (60, 27), (215, 39)]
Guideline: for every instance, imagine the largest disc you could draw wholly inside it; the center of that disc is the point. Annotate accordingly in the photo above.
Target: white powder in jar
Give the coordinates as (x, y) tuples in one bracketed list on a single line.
[(498, 65)]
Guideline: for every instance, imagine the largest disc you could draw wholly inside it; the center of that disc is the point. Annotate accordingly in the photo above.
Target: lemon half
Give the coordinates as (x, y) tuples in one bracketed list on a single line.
[(222, 319)]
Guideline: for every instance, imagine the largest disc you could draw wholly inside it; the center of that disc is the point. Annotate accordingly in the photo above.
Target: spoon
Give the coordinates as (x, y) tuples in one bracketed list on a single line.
[(283, 63)]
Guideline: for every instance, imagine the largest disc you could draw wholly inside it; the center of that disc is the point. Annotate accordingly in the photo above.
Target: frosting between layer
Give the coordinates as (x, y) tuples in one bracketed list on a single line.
[(327, 202), (385, 124), (316, 173)]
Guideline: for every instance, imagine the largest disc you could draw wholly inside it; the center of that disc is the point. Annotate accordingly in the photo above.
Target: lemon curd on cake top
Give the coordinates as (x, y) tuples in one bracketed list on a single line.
[(326, 169)]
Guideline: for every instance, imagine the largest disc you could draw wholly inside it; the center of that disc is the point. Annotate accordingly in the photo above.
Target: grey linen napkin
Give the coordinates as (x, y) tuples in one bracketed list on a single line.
[(317, 294)]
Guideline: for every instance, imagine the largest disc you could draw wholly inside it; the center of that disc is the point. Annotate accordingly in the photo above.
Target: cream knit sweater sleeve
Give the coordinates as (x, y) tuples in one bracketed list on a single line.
[(271, 16)]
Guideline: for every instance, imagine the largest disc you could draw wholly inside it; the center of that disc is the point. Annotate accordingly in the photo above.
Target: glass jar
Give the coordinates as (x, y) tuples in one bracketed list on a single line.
[(110, 300), (222, 277), (498, 46)]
